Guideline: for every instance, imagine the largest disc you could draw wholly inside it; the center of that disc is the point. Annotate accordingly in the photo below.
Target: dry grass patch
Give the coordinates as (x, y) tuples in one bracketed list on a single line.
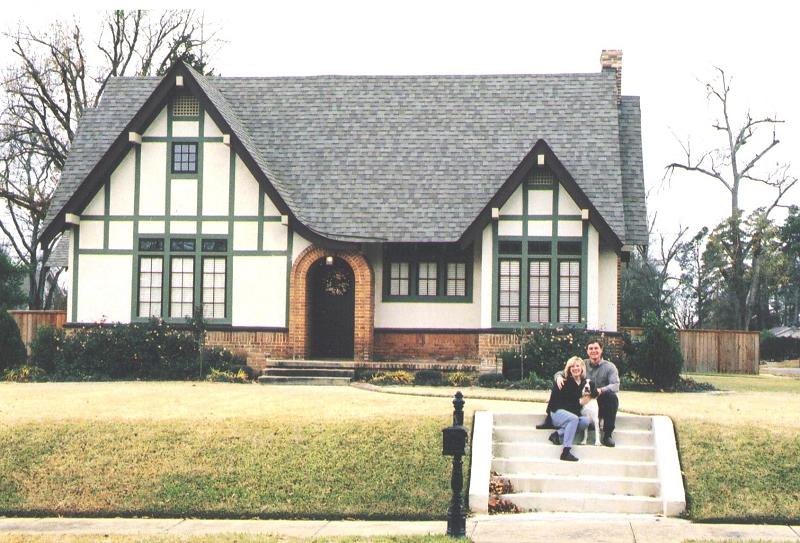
[(214, 538)]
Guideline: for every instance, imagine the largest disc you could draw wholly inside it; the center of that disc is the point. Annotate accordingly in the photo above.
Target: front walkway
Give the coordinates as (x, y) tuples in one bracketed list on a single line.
[(524, 528)]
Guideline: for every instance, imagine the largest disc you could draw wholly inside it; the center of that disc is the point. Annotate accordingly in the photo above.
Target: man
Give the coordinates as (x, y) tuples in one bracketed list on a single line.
[(605, 376)]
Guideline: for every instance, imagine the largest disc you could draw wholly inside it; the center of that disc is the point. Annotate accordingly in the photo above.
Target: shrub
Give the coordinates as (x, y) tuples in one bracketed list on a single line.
[(12, 350), (429, 377), (392, 378), (493, 380), (47, 348), (657, 357), (228, 376), (461, 379), (24, 374), (544, 351), (779, 348), (150, 350)]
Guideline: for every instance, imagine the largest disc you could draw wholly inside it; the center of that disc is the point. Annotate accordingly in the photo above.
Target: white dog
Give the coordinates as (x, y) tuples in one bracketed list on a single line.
[(592, 411)]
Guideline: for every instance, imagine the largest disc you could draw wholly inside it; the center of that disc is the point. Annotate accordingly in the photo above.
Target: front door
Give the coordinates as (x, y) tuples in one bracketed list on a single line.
[(332, 309)]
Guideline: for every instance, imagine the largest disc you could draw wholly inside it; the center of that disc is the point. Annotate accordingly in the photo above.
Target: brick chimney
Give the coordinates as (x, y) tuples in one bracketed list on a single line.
[(611, 59)]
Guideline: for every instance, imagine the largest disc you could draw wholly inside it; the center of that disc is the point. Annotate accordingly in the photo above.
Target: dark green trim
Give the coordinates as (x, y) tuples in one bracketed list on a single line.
[(163, 139), (135, 274), (106, 211), (554, 258), (289, 249), (442, 258), (189, 118), (168, 174), (231, 210), (105, 251), (206, 218), (514, 218), (584, 272), (76, 239), (260, 237)]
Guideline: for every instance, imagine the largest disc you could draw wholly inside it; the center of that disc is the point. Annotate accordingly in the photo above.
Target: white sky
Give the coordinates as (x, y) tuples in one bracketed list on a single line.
[(669, 48)]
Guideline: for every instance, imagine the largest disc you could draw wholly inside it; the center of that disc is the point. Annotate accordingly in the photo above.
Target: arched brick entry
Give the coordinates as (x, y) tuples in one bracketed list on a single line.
[(364, 301)]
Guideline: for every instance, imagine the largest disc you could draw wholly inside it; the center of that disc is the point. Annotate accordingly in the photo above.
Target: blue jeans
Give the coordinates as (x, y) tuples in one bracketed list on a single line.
[(568, 425)]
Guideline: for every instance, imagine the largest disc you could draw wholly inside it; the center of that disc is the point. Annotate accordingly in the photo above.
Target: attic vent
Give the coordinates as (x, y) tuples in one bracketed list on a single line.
[(540, 178), (186, 106)]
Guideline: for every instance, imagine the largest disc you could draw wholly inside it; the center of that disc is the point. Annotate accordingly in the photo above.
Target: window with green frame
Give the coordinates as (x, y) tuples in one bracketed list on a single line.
[(435, 272), (189, 259), (541, 267)]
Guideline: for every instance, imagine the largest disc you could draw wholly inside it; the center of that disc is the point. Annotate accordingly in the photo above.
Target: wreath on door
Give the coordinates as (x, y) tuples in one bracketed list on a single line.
[(337, 283)]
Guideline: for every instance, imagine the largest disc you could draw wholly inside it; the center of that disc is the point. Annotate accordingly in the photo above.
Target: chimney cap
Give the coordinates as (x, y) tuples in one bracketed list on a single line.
[(611, 58)]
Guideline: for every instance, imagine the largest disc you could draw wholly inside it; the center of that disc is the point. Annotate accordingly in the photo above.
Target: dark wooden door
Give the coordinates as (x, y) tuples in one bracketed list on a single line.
[(332, 310)]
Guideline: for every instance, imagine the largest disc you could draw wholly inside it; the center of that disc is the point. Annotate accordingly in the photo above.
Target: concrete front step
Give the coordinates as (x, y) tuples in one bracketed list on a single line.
[(641, 438), (584, 467), (585, 484), (309, 372), (624, 422), (297, 380), (574, 502), (583, 452)]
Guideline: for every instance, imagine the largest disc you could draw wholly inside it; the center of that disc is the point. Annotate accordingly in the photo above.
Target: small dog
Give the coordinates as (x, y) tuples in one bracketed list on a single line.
[(592, 411)]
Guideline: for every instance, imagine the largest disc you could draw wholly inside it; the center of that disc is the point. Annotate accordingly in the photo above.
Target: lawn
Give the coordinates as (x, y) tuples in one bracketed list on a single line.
[(216, 538), (226, 450)]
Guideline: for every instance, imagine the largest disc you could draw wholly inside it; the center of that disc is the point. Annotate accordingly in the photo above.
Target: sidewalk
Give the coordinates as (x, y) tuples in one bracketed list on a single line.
[(523, 528)]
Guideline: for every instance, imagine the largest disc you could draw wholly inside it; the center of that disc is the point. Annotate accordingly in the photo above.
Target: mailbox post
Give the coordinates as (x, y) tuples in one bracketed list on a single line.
[(454, 442)]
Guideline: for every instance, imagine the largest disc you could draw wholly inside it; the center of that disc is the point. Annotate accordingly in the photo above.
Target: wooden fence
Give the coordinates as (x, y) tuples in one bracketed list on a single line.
[(29, 321), (716, 351)]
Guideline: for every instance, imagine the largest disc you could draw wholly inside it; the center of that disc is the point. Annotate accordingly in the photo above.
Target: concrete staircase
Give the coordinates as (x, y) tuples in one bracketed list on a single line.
[(307, 372), (641, 475)]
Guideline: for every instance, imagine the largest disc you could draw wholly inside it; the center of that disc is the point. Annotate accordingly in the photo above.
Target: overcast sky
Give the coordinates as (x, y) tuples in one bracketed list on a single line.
[(669, 48)]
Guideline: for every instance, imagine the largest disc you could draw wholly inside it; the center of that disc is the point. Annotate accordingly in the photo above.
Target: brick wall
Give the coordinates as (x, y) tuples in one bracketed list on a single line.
[(257, 347), (424, 345), (490, 345)]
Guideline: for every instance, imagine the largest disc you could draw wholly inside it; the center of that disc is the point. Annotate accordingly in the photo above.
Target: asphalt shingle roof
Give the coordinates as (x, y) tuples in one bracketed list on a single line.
[(409, 158)]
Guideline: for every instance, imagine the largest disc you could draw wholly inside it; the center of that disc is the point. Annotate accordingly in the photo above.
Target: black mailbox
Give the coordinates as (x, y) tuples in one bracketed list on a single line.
[(454, 440)]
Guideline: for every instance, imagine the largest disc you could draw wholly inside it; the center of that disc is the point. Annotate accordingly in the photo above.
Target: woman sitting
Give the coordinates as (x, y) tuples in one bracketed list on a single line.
[(566, 405)]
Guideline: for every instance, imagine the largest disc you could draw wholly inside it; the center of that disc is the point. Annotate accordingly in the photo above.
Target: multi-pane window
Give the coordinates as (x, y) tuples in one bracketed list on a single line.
[(150, 282), (398, 279), (539, 291), (509, 291), (456, 279), (426, 279), (184, 158), (181, 287), (214, 287), (569, 291)]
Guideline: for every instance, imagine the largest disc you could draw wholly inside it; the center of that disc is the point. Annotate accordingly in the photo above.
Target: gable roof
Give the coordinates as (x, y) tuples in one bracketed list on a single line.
[(402, 159)]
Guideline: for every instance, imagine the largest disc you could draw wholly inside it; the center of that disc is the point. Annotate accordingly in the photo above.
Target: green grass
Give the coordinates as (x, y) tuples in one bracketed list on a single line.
[(222, 450), (243, 468), (749, 383), (215, 538), (740, 473)]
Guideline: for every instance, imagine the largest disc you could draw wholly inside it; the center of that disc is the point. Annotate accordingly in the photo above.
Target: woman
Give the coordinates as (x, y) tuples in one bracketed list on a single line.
[(566, 407)]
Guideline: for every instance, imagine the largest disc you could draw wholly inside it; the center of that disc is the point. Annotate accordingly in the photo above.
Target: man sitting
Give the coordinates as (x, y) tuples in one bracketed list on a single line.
[(605, 376)]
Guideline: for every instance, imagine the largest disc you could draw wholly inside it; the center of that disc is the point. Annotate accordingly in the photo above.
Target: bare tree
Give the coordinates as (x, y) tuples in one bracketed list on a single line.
[(54, 79), (737, 161)]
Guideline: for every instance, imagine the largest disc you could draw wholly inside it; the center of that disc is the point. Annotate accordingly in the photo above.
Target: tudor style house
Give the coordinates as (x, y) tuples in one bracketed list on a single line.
[(365, 218)]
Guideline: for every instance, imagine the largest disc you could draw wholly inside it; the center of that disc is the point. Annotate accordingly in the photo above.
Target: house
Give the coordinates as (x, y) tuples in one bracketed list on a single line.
[(361, 218)]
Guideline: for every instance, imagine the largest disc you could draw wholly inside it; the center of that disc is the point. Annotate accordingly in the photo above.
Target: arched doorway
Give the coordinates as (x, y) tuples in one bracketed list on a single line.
[(331, 296)]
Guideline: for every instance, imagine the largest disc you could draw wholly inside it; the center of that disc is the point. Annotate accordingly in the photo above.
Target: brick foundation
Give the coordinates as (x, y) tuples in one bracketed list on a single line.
[(440, 346), (258, 346)]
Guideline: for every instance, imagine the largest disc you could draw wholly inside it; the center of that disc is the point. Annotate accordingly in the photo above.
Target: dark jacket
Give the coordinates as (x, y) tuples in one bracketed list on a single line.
[(568, 397)]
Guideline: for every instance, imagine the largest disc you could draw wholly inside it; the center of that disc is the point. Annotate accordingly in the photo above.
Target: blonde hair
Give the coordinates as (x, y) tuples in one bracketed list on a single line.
[(571, 362)]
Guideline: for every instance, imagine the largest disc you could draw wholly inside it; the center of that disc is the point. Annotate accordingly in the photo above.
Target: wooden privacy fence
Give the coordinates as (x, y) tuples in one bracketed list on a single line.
[(716, 351), (29, 321)]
